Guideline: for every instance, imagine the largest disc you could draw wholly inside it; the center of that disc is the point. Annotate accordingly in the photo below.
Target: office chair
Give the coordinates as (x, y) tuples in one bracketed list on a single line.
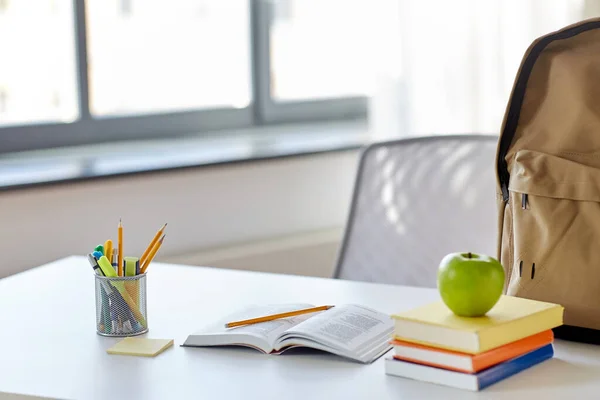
[(416, 200)]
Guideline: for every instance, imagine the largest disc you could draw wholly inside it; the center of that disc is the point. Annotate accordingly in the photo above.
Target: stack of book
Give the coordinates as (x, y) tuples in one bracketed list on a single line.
[(432, 344)]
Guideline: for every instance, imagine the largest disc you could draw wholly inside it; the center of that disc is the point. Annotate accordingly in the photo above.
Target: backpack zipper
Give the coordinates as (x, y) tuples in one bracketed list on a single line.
[(516, 101), (524, 201)]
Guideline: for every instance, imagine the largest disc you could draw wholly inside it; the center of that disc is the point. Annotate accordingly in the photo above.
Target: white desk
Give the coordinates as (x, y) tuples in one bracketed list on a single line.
[(49, 346)]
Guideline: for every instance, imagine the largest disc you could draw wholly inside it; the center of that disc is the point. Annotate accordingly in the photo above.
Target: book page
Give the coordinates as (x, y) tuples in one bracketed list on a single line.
[(350, 327), (265, 331)]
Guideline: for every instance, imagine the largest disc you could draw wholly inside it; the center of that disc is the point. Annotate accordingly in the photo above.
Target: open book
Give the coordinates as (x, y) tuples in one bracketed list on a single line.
[(350, 331)]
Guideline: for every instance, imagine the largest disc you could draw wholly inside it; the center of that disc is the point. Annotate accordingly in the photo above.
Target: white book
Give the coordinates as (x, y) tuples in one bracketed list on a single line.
[(352, 331)]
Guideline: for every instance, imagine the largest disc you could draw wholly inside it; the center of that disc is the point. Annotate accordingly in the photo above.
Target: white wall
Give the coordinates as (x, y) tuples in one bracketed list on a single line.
[(205, 207), (311, 253)]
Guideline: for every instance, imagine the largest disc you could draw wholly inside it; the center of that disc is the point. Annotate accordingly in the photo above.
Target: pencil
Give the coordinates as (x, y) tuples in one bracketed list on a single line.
[(152, 243), (276, 316), (152, 254), (120, 253)]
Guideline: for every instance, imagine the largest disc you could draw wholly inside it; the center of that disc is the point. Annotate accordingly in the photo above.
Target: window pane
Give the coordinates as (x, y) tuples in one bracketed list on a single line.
[(151, 55), (38, 82), (321, 48)]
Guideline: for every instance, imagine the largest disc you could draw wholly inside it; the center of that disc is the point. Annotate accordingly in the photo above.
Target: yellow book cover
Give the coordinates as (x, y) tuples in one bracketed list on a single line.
[(511, 319)]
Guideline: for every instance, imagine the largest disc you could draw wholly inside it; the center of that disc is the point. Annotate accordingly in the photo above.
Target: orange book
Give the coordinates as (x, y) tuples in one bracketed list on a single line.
[(469, 363)]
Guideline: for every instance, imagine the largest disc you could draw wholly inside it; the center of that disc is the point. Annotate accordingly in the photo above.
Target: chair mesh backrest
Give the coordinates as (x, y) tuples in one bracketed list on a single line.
[(416, 200)]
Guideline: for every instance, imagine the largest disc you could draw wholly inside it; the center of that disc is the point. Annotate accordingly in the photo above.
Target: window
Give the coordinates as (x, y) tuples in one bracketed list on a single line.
[(314, 60), (85, 71), (37, 74), (146, 57), (318, 52)]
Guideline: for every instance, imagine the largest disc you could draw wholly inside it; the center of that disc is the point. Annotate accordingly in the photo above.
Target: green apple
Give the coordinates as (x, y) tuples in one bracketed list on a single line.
[(470, 284)]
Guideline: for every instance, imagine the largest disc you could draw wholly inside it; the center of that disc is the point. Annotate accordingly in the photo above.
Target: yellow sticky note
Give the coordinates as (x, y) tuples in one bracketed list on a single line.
[(140, 347)]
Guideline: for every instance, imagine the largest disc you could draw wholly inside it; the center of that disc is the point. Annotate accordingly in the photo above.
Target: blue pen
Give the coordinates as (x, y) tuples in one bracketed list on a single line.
[(115, 259), (94, 263)]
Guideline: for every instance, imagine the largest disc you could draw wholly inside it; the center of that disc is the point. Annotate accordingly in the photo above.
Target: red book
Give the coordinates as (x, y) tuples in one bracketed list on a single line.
[(464, 362)]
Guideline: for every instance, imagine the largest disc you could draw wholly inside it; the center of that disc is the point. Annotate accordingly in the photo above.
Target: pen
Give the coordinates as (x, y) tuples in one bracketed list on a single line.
[(152, 243), (276, 316), (94, 264), (115, 259)]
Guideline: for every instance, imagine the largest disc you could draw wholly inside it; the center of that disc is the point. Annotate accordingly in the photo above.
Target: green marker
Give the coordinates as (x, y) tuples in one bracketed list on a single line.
[(132, 266), (106, 267), (100, 248)]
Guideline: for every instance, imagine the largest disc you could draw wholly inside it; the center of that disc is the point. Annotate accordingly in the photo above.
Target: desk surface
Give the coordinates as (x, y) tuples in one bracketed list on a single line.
[(49, 346)]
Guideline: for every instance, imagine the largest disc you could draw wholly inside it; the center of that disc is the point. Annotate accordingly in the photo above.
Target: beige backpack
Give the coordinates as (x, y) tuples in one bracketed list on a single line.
[(548, 166)]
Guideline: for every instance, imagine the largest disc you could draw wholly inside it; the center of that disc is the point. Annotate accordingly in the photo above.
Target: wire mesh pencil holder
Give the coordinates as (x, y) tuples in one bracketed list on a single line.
[(121, 305)]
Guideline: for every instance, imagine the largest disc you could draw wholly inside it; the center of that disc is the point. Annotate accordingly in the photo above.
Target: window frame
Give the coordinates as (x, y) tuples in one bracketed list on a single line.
[(87, 129)]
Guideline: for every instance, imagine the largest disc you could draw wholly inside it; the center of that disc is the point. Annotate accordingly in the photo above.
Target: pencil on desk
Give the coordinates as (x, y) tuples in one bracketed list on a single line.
[(276, 316), (151, 245), (151, 255)]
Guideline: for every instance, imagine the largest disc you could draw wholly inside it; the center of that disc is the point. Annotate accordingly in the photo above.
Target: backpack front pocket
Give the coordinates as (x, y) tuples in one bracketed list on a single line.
[(555, 208)]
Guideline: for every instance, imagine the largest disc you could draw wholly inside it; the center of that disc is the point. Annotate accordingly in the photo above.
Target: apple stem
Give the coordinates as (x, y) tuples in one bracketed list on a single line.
[(469, 255)]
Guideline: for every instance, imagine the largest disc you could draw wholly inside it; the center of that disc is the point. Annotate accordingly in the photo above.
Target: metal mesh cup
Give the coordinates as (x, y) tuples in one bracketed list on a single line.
[(121, 305)]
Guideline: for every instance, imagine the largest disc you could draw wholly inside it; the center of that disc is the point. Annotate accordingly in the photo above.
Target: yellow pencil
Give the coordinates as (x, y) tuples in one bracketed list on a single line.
[(120, 244), (276, 316), (108, 249), (151, 255), (152, 243)]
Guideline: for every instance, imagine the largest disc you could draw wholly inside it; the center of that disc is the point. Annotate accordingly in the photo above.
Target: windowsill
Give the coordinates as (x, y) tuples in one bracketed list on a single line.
[(73, 164)]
